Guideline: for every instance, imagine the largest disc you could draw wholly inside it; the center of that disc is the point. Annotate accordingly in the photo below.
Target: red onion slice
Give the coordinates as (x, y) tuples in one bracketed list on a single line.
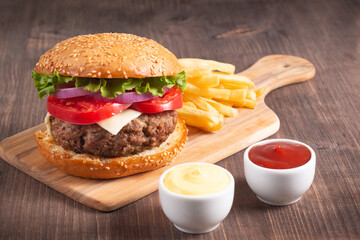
[(126, 97), (71, 92)]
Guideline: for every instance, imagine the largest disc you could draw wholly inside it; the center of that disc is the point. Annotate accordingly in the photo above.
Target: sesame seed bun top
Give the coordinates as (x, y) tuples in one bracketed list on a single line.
[(109, 55)]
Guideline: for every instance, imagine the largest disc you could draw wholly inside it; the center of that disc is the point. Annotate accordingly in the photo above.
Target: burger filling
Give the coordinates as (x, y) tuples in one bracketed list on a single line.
[(111, 117), (142, 133)]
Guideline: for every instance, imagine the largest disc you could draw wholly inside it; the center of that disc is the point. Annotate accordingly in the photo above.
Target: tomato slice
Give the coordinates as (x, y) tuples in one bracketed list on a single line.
[(171, 100), (83, 110)]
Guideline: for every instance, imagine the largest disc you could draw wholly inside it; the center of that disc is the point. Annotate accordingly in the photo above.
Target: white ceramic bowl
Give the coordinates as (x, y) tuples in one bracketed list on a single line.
[(196, 213), (279, 186)]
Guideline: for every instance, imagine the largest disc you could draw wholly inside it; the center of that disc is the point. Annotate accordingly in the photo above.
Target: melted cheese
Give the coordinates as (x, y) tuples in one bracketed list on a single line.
[(47, 122), (118, 121)]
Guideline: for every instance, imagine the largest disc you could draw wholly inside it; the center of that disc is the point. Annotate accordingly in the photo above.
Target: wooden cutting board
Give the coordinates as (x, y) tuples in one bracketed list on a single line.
[(251, 125)]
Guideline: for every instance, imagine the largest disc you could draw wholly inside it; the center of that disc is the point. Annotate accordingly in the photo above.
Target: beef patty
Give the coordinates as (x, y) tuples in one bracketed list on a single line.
[(145, 132)]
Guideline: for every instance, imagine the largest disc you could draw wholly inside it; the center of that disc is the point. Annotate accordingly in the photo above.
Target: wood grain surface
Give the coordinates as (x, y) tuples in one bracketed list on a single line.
[(250, 126), (323, 112)]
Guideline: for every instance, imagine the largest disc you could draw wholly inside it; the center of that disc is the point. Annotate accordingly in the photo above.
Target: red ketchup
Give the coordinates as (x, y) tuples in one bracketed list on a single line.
[(280, 155)]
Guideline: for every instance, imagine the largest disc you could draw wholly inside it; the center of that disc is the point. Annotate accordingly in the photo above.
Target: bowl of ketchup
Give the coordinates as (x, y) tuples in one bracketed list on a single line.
[(279, 171)]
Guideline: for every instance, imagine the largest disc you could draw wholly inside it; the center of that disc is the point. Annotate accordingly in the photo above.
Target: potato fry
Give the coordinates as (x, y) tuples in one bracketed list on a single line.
[(222, 67), (217, 126), (230, 86), (200, 103), (230, 104), (225, 110), (259, 92), (214, 128), (236, 81), (199, 118), (222, 94), (194, 68), (238, 95), (251, 95), (247, 103), (189, 104), (195, 63), (221, 86), (205, 81)]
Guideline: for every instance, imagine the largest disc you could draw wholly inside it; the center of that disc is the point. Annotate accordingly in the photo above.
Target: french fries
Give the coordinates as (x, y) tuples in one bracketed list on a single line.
[(225, 110), (200, 119), (214, 92), (222, 94)]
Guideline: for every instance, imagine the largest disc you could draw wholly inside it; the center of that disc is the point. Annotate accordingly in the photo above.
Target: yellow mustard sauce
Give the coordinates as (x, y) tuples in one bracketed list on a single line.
[(196, 179)]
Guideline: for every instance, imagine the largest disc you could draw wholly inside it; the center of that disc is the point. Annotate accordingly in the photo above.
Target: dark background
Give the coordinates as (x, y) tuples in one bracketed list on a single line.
[(324, 112)]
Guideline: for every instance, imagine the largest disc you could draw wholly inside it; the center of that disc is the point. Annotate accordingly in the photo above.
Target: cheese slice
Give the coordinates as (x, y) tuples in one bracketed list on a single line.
[(118, 121)]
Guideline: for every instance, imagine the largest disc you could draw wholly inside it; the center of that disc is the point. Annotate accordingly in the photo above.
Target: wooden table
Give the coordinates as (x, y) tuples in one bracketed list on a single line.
[(324, 112)]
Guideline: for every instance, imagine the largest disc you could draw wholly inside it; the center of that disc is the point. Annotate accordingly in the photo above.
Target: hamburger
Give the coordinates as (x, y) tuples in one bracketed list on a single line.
[(111, 101)]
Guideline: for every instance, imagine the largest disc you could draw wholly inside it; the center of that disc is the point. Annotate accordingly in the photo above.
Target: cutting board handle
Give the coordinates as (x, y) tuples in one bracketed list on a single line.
[(275, 71)]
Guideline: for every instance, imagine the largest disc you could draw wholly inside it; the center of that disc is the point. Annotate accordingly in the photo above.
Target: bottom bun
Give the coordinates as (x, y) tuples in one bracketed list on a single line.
[(90, 166)]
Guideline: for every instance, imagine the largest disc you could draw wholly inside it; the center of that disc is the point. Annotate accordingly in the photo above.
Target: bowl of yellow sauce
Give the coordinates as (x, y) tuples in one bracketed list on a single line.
[(196, 197)]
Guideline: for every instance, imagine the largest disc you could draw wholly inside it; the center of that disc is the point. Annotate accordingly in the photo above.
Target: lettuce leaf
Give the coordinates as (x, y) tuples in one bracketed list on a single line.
[(109, 88), (45, 84)]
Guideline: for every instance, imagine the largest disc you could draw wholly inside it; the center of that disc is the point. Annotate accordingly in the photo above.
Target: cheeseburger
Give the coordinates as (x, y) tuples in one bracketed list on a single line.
[(111, 105)]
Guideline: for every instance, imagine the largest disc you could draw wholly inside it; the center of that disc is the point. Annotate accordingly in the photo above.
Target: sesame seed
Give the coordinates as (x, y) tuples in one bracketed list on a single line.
[(107, 168), (91, 169)]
